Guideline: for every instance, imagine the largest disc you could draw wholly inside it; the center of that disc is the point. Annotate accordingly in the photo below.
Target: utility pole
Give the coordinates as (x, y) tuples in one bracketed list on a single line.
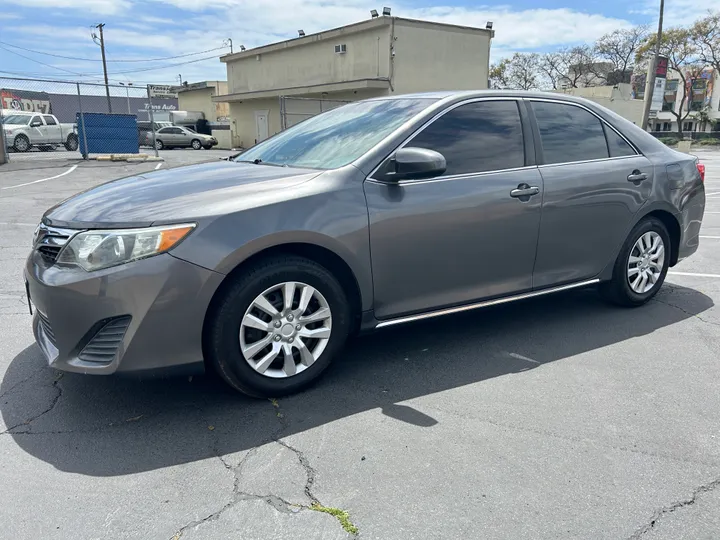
[(180, 78), (650, 82), (102, 50)]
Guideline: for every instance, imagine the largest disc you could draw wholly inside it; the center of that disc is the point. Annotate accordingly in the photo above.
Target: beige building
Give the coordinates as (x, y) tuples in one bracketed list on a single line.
[(700, 111), (198, 97), (377, 57), (617, 98)]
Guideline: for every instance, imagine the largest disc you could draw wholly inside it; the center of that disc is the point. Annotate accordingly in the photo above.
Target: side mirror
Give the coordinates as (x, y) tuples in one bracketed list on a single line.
[(412, 163)]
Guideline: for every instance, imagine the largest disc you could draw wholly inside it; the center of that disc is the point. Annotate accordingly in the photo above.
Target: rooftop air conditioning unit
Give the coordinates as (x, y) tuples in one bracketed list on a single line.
[(341, 49)]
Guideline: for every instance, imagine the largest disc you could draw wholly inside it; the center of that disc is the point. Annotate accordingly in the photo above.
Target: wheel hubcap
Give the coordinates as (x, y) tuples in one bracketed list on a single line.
[(285, 329), (645, 263)]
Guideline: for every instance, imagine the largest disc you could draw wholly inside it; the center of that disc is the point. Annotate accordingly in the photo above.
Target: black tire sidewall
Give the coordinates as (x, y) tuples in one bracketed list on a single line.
[(15, 143), (225, 345), (621, 281)]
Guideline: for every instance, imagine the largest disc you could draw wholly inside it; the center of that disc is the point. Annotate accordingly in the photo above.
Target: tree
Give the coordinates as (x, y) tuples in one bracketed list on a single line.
[(498, 75), (519, 72), (569, 67), (705, 34), (679, 47), (617, 49)]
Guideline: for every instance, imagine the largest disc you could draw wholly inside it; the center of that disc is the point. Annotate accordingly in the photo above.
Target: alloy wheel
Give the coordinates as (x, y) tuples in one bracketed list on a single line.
[(285, 329), (646, 261)]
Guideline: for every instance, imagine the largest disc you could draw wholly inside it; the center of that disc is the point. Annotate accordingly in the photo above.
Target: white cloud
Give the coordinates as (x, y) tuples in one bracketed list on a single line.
[(102, 7), (678, 12)]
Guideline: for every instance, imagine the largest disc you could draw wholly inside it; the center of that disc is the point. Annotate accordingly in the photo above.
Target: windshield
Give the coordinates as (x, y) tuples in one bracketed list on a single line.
[(21, 119), (337, 137)]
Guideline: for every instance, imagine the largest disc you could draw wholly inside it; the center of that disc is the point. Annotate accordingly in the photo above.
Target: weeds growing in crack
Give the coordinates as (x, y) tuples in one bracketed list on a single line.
[(338, 513)]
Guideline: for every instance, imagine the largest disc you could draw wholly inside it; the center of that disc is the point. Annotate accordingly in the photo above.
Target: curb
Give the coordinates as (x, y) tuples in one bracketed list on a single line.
[(130, 158)]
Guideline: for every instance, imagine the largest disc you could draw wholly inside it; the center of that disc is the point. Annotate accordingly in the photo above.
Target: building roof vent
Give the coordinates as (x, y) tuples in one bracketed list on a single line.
[(341, 49)]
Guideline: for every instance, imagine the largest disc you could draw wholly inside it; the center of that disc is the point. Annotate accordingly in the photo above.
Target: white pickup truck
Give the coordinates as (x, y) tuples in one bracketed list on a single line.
[(23, 130)]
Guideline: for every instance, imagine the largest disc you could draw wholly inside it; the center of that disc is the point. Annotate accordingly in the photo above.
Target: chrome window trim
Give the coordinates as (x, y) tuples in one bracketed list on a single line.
[(430, 121), (602, 121), (547, 165), (486, 303), (464, 176)]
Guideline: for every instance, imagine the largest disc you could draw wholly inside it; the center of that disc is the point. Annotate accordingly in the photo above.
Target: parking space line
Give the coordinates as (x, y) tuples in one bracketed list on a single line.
[(18, 224), (711, 237), (714, 194), (693, 274), (71, 169), (158, 166)]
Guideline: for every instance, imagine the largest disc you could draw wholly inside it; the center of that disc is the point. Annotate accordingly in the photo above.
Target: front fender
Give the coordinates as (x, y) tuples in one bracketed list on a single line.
[(324, 212)]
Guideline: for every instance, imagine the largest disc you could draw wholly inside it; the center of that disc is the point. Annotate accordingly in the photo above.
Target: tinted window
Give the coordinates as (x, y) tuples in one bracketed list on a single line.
[(481, 136), (617, 145), (50, 121), (35, 120), (176, 131), (569, 133)]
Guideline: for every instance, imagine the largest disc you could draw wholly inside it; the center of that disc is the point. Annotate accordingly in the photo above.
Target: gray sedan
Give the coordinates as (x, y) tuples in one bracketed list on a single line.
[(375, 214), (180, 137)]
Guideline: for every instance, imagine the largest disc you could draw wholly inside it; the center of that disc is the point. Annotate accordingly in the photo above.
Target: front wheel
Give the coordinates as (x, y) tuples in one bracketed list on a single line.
[(21, 144), (196, 145), (641, 266), (277, 326)]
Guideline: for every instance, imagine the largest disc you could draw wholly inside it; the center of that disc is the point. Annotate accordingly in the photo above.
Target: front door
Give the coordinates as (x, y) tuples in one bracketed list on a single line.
[(595, 182), (261, 126), (466, 235), (38, 132), (52, 130)]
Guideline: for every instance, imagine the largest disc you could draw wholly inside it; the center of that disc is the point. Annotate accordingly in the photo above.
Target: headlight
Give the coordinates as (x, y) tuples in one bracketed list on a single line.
[(93, 250)]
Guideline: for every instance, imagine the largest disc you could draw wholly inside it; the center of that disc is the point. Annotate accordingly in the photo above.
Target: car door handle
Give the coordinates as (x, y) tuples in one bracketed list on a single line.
[(524, 190), (637, 176)]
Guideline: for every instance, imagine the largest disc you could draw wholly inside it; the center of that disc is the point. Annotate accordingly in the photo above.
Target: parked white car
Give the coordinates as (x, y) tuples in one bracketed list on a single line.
[(23, 130)]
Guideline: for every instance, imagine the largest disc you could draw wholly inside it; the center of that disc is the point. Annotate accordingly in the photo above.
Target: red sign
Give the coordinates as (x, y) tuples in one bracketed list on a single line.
[(662, 67)]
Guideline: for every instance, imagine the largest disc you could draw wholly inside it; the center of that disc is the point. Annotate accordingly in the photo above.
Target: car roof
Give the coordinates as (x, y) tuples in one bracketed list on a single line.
[(453, 95)]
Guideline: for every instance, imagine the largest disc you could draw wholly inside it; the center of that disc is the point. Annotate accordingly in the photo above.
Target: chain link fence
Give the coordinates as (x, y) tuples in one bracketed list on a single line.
[(294, 110), (46, 118)]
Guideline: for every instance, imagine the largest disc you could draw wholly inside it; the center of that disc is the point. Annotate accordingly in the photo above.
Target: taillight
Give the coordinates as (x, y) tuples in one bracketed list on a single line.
[(701, 170)]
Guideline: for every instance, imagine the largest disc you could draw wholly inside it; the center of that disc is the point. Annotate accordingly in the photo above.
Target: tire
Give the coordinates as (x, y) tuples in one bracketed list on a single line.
[(619, 290), (71, 144), (225, 328), (159, 145), (207, 147), (196, 145), (21, 144)]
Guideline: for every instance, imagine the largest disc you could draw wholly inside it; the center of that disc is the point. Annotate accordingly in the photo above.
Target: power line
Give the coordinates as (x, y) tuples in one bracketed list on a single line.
[(166, 66), (98, 60), (39, 62)]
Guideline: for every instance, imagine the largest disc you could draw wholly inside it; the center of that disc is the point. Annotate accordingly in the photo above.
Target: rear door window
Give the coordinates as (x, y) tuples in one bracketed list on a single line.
[(49, 120), (617, 145), (476, 137), (569, 133)]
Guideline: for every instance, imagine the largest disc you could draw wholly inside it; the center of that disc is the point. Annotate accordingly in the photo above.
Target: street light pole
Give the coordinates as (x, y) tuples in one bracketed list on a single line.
[(127, 94), (650, 82)]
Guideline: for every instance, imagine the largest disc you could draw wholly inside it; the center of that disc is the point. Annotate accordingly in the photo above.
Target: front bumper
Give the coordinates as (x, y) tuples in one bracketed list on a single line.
[(146, 317)]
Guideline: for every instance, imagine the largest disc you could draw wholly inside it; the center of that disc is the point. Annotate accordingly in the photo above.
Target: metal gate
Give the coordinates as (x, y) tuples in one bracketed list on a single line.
[(294, 110)]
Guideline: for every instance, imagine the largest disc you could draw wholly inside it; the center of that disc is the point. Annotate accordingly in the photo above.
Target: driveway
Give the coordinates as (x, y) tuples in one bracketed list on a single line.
[(560, 417)]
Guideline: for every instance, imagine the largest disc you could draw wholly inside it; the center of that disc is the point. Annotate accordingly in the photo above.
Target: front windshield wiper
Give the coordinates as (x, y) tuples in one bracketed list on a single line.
[(259, 161)]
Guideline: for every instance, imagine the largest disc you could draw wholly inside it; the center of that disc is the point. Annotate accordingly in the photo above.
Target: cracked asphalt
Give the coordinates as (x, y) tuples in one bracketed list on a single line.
[(560, 417)]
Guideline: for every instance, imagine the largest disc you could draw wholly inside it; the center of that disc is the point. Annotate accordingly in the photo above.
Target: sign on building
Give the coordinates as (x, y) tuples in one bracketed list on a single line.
[(163, 92)]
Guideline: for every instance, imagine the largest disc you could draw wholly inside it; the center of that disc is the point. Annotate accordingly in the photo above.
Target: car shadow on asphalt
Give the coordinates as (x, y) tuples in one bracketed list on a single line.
[(108, 426)]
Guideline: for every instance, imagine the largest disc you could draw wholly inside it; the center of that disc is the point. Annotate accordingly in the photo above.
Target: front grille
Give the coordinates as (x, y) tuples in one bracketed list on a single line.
[(49, 241), (103, 347), (46, 328)]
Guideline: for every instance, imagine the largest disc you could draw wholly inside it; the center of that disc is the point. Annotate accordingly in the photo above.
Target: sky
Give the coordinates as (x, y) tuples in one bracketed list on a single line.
[(138, 31)]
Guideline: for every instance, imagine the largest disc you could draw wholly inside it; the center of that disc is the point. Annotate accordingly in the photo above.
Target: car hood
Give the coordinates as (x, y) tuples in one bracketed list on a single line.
[(175, 195)]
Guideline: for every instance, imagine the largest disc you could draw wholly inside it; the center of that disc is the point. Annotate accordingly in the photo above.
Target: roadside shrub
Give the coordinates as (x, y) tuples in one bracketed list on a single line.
[(668, 141), (708, 142)]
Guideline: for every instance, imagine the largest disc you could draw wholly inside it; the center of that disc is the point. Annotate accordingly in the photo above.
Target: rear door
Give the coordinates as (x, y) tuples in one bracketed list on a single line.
[(595, 182), (469, 234), (52, 130)]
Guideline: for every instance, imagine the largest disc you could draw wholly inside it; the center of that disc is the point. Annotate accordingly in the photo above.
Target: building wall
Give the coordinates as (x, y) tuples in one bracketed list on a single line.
[(616, 98), (201, 100), (367, 57), (664, 117), (242, 114), (430, 57)]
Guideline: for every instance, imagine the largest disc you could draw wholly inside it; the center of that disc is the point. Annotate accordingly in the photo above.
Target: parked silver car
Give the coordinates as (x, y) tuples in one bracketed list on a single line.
[(180, 137), (378, 213)]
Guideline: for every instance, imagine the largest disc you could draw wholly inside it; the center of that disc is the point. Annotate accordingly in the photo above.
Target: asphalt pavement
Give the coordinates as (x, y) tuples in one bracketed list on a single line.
[(559, 417)]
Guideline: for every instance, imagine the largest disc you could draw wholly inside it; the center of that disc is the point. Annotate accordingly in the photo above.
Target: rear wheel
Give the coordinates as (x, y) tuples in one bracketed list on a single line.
[(196, 145), (21, 144), (277, 326), (159, 145), (71, 144), (641, 266)]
